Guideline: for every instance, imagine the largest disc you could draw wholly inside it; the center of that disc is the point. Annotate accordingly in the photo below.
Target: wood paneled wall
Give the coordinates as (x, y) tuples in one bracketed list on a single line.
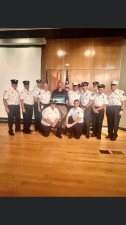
[(90, 60)]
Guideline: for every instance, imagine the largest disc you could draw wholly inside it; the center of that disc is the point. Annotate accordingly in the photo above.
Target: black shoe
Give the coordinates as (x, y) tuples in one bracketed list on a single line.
[(87, 136), (26, 132), (18, 130), (70, 137), (11, 133), (93, 135), (99, 138), (30, 130), (108, 137), (59, 136), (114, 138)]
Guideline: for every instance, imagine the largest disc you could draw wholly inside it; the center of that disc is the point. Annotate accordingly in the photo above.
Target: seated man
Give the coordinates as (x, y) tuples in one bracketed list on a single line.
[(76, 126), (50, 118)]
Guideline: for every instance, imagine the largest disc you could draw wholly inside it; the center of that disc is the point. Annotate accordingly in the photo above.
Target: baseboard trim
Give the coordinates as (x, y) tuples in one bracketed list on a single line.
[(120, 128)]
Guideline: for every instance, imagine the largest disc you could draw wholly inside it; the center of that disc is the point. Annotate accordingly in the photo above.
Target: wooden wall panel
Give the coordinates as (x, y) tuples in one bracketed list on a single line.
[(78, 53), (52, 54), (107, 53)]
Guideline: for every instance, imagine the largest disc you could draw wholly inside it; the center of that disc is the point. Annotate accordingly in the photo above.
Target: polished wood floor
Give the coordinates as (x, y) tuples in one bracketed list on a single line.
[(31, 165)]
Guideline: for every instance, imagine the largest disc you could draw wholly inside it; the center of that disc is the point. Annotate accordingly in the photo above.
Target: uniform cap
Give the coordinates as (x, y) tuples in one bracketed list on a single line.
[(101, 86), (75, 84), (52, 102), (26, 82), (39, 81), (95, 83), (14, 81), (85, 84), (115, 82)]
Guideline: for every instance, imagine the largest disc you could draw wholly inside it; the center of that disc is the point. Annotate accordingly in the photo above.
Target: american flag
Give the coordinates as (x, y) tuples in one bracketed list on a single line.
[(67, 81)]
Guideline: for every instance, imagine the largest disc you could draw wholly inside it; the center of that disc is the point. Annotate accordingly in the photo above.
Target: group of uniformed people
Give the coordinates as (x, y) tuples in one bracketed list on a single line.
[(74, 113)]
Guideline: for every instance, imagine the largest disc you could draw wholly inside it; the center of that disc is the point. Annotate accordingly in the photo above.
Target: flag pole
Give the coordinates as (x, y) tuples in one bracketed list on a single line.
[(46, 75), (57, 77), (67, 78)]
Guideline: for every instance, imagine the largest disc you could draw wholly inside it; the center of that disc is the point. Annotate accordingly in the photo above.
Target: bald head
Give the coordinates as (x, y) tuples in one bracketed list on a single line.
[(45, 86)]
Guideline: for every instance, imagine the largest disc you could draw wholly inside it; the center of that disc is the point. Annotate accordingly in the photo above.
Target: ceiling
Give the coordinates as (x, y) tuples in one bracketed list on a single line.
[(61, 33)]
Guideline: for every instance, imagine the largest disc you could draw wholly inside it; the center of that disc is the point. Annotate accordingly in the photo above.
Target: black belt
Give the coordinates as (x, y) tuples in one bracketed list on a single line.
[(28, 105)]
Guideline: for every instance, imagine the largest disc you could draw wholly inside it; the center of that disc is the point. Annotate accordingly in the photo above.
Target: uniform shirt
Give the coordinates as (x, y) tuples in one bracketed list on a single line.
[(36, 92), (12, 96), (86, 97), (45, 96), (27, 97), (116, 97), (73, 95), (77, 113), (50, 114), (100, 100)]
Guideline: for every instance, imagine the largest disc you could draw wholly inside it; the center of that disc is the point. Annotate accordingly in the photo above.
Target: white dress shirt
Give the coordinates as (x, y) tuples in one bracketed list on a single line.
[(12, 96), (77, 113), (86, 97), (36, 92), (50, 114), (73, 95), (45, 96), (27, 97), (100, 100), (116, 97)]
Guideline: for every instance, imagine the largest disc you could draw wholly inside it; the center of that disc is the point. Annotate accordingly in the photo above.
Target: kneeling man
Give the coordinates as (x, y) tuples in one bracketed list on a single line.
[(76, 126), (50, 118)]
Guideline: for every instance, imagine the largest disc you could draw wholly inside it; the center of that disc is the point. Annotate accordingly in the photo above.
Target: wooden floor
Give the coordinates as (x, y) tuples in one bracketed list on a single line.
[(31, 165)]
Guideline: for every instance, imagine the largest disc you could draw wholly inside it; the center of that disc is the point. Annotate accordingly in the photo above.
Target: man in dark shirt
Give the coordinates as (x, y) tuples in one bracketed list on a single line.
[(61, 96)]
